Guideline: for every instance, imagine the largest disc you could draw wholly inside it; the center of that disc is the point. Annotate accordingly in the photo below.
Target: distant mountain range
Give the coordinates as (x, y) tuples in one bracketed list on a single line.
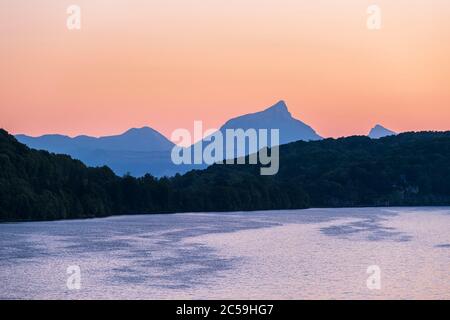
[(139, 140), (136, 151), (144, 150)]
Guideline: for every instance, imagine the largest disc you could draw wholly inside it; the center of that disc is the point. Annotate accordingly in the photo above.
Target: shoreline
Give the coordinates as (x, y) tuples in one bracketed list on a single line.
[(213, 212)]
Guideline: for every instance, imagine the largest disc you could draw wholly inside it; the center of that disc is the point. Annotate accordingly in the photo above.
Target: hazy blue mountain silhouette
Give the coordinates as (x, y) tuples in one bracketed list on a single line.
[(145, 150), (379, 132), (143, 139), (136, 151), (275, 117)]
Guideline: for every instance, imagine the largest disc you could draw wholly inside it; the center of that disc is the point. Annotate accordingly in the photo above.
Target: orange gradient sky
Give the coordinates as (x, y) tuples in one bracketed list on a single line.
[(166, 63)]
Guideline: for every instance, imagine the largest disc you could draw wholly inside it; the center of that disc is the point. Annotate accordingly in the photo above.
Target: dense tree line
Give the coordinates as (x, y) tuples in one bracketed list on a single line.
[(408, 169)]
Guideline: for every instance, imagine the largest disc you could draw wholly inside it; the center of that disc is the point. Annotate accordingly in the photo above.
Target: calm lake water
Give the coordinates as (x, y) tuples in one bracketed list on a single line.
[(299, 254)]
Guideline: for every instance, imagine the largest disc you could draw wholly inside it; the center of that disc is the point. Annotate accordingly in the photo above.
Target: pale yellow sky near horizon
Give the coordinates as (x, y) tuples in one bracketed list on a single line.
[(166, 63)]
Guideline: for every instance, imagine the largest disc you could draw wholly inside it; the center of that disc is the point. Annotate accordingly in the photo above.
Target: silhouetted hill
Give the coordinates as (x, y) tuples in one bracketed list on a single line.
[(139, 140), (379, 131), (403, 170)]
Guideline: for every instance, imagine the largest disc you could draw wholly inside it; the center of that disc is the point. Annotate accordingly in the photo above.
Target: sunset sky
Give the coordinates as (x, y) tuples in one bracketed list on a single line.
[(166, 63)]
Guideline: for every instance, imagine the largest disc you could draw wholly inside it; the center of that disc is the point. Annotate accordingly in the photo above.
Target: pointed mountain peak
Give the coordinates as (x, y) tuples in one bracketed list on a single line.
[(379, 132), (280, 107), (274, 117)]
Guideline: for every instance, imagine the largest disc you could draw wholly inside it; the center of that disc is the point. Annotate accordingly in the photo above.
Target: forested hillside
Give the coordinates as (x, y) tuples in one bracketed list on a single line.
[(407, 169)]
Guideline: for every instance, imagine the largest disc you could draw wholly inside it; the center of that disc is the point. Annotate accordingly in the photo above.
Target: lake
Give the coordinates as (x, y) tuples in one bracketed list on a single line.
[(358, 253)]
